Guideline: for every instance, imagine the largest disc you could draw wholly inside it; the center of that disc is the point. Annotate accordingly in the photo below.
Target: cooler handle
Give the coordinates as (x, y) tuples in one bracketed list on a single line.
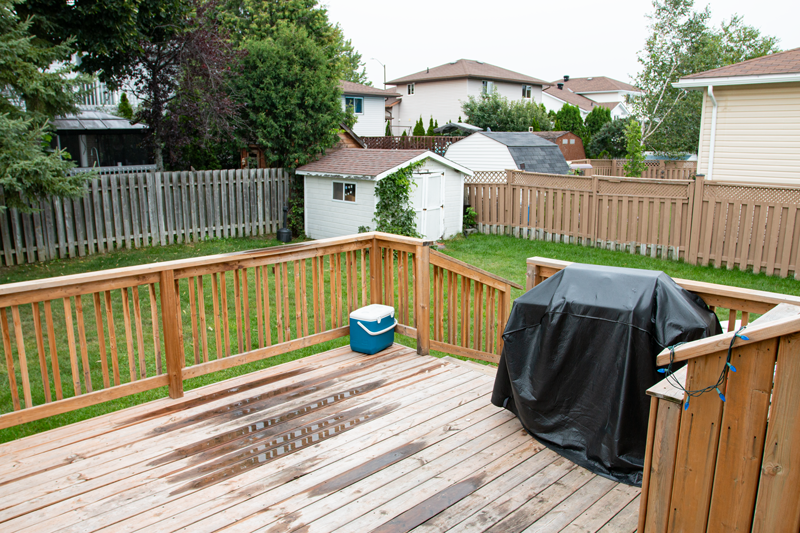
[(375, 333)]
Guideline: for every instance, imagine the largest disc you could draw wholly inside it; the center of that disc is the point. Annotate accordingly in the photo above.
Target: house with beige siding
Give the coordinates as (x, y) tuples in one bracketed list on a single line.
[(438, 92), (750, 129)]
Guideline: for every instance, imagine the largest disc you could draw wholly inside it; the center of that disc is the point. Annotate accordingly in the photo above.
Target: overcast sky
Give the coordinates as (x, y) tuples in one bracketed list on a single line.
[(546, 40)]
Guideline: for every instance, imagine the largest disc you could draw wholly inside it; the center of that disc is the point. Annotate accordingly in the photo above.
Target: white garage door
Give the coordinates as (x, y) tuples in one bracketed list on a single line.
[(429, 204)]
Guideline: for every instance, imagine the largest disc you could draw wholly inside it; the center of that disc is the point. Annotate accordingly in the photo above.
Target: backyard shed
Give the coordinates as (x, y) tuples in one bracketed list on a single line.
[(508, 150), (340, 191)]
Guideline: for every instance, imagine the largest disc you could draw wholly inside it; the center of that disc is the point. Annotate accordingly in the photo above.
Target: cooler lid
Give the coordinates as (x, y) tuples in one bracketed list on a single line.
[(373, 313)]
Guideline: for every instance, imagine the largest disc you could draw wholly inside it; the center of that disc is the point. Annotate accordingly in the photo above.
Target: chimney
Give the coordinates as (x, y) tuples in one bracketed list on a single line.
[(427, 70), (560, 86), (566, 79)]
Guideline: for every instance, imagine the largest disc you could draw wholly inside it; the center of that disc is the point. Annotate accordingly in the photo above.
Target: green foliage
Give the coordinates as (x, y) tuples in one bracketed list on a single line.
[(419, 128), (293, 96), (635, 164), (404, 134), (568, 118), (388, 132), (500, 114), (470, 217), (610, 141), (393, 212), (124, 108), (350, 117), (296, 215), (430, 132), (681, 43), (595, 120)]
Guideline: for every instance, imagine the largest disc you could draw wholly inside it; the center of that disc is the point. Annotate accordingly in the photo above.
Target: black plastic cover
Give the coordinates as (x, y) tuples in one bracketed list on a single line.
[(579, 353)]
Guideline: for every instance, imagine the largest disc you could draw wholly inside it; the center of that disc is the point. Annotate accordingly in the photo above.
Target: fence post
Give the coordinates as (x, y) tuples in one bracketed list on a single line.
[(509, 210), (422, 296), (171, 324), (696, 223), (595, 216)]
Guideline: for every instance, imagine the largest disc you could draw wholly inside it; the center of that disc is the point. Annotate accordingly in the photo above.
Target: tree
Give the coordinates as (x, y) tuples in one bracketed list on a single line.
[(30, 94), (419, 128), (500, 114), (681, 43), (568, 118), (294, 107), (429, 132), (124, 108), (610, 141), (388, 132), (634, 166), (595, 120)]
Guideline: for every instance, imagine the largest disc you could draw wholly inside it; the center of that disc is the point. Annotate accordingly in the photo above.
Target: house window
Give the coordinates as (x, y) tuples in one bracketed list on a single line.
[(488, 87), (344, 192), (526, 91), (411, 88), (356, 103)]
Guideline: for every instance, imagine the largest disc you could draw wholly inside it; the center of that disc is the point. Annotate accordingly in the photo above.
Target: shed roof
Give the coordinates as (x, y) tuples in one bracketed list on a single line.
[(516, 138), (94, 121), (372, 164), (467, 68), (349, 87), (531, 152)]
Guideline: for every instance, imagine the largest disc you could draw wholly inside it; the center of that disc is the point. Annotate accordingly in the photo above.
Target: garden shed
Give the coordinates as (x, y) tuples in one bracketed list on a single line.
[(340, 191), (487, 150)]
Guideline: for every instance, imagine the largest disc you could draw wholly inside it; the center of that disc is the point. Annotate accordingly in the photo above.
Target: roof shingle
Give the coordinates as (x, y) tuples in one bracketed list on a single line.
[(355, 162), (596, 84), (787, 62), (349, 87), (571, 98), (467, 68)]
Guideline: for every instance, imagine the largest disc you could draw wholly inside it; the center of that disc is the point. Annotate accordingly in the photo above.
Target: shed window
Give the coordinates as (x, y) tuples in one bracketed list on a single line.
[(572, 141), (410, 88), (356, 103), (344, 192), (526, 91), (565, 141)]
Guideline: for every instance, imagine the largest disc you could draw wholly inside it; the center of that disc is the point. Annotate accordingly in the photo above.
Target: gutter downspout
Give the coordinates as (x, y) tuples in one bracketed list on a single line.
[(710, 171)]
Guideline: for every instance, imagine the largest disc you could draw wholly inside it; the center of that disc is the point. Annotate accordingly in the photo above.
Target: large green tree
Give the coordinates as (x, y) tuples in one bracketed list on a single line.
[(501, 114), (610, 141), (568, 118), (32, 92), (596, 118), (680, 43)]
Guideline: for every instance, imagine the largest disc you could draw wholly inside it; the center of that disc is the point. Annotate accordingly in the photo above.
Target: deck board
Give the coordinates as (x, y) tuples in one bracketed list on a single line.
[(334, 442)]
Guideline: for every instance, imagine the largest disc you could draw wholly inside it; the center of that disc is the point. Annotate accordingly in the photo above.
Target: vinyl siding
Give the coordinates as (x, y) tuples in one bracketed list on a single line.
[(609, 96), (326, 217), (758, 134), (478, 152), (439, 99), (453, 197), (512, 91), (372, 122)]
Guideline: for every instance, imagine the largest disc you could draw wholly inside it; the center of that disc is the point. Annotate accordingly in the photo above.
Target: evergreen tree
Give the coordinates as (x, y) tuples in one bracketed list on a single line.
[(569, 118), (404, 134), (124, 108), (388, 132), (594, 121), (635, 164), (419, 128), (430, 132)]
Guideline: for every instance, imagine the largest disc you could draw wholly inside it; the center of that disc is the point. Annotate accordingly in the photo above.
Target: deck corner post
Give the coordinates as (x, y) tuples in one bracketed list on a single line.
[(171, 324), (422, 292), (530, 278), (375, 289)]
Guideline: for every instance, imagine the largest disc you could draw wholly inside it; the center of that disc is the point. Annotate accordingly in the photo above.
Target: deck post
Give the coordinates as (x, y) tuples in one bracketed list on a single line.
[(375, 288), (171, 324), (422, 295)]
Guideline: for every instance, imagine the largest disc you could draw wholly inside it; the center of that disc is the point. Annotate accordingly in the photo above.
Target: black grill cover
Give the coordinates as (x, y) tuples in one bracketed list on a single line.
[(580, 352)]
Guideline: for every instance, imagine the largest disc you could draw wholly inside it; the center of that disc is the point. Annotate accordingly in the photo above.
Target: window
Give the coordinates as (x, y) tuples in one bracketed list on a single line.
[(526, 91), (572, 141), (356, 103), (344, 192), (410, 88), (488, 87), (565, 141)]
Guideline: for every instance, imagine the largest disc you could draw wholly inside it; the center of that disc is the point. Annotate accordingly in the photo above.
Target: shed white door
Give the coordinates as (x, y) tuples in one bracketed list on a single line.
[(429, 204)]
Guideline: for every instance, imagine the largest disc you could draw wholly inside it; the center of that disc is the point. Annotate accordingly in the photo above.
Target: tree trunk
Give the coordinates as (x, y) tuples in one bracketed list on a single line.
[(159, 157)]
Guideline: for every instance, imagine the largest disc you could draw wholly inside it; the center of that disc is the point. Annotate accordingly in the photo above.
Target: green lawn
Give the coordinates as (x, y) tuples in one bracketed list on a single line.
[(504, 256)]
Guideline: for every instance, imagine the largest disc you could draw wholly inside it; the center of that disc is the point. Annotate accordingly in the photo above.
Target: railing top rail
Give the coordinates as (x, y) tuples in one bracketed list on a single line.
[(716, 289), (446, 260), (154, 268)]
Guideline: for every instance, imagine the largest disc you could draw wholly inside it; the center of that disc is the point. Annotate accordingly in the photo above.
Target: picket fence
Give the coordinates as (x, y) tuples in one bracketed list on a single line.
[(133, 210), (723, 224)]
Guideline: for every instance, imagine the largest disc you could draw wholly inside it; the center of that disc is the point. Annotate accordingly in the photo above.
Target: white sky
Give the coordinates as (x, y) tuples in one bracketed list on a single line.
[(546, 40)]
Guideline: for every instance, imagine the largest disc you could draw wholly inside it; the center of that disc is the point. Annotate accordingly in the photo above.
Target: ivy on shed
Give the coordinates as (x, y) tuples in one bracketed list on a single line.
[(394, 212)]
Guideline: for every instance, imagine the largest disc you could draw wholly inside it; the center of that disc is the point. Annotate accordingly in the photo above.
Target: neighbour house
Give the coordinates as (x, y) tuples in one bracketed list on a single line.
[(438, 92), (369, 106), (588, 93), (570, 144), (339, 191), (750, 126), (486, 151)]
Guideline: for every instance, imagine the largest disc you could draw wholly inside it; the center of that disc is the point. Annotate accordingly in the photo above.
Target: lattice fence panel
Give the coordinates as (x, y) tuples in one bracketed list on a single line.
[(487, 176)]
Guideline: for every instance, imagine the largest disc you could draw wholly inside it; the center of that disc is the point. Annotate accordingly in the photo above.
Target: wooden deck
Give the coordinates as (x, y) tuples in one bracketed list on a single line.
[(335, 442)]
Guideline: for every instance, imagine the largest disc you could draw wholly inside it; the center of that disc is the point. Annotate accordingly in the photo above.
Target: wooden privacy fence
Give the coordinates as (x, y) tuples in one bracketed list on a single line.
[(660, 169), (75, 341), (733, 465), (144, 209), (437, 144), (744, 225)]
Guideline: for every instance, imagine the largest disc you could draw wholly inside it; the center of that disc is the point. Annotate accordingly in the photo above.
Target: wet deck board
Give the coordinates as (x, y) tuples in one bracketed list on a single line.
[(334, 442)]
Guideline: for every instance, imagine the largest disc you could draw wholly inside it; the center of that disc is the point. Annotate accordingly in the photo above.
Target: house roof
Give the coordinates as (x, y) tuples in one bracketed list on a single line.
[(349, 87), (531, 152), (610, 105), (597, 84), (787, 62), (372, 164), (467, 68), (565, 95), (94, 121), (550, 135)]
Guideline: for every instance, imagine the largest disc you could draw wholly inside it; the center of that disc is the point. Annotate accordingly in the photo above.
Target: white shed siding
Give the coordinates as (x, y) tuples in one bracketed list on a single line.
[(478, 152), (326, 217), (453, 197), (438, 99), (758, 134), (372, 122)]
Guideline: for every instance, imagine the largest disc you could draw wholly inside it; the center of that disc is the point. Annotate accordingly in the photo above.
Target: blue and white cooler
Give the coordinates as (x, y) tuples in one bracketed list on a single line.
[(372, 328)]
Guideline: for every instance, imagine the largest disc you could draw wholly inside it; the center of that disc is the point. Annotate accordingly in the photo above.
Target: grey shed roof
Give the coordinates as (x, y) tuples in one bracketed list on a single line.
[(94, 120), (535, 153)]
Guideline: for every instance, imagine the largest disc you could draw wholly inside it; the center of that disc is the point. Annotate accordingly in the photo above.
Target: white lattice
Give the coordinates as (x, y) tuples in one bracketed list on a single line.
[(487, 176)]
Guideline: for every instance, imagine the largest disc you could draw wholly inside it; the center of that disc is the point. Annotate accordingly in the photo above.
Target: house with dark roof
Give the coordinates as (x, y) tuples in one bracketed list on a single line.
[(750, 125), (339, 191), (438, 92), (588, 93), (570, 144), (369, 106), (508, 150)]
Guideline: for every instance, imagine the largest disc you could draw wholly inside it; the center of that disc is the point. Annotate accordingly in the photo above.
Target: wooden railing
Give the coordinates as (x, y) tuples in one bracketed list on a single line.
[(733, 465), (75, 341), (437, 144)]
